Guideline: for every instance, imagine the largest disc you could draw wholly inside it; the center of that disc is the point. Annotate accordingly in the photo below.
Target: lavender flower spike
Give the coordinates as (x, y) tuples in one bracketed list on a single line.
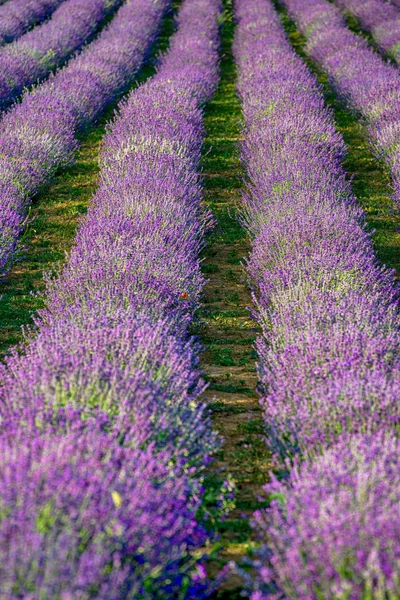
[(334, 527), (328, 364), (370, 85), (381, 19), (328, 359)]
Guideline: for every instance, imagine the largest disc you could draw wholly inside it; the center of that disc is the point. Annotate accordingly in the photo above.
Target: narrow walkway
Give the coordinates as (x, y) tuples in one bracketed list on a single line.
[(227, 331), (53, 219)]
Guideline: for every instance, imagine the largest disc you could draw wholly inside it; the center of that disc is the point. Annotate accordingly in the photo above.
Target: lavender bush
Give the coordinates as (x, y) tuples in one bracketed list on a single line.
[(84, 517), (369, 85), (334, 527), (329, 311), (379, 17), (36, 54), (328, 359), (105, 393), (132, 369), (40, 134), (17, 16)]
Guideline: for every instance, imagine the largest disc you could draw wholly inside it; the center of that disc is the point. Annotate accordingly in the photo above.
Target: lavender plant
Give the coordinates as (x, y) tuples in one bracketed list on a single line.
[(32, 57), (328, 359), (381, 19), (40, 134), (104, 394), (329, 311), (84, 517), (333, 527), (132, 369), (17, 16), (368, 83)]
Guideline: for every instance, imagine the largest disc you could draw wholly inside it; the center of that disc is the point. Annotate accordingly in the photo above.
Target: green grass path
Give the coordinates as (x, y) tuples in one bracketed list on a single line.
[(226, 329)]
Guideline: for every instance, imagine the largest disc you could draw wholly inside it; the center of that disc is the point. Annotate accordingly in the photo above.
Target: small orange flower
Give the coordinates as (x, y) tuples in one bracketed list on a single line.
[(184, 295)]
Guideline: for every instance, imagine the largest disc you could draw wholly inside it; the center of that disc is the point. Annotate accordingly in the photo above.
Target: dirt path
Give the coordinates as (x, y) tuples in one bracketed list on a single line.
[(227, 331)]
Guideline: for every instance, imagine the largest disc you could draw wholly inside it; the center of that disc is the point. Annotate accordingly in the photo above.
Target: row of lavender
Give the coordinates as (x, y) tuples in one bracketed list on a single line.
[(379, 17), (40, 134), (17, 16), (368, 83), (103, 438), (32, 57), (328, 360)]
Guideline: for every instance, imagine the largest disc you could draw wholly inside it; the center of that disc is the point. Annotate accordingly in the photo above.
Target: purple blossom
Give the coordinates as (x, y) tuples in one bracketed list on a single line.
[(381, 18), (84, 517), (101, 425), (370, 85), (328, 359), (17, 16), (329, 365), (333, 527), (32, 57), (40, 134), (133, 370)]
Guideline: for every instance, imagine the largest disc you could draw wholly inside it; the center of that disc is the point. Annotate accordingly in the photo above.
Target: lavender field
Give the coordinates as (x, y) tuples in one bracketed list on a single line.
[(199, 299)]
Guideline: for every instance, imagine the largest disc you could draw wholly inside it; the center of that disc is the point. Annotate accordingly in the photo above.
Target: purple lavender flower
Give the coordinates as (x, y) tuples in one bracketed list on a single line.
[(329, 365), (133, 370), (333, 527), (37, 53), (40, 134), (329, 311), (381, 18), (370, 85), (84, 517), (100, 417), (19, 15)]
